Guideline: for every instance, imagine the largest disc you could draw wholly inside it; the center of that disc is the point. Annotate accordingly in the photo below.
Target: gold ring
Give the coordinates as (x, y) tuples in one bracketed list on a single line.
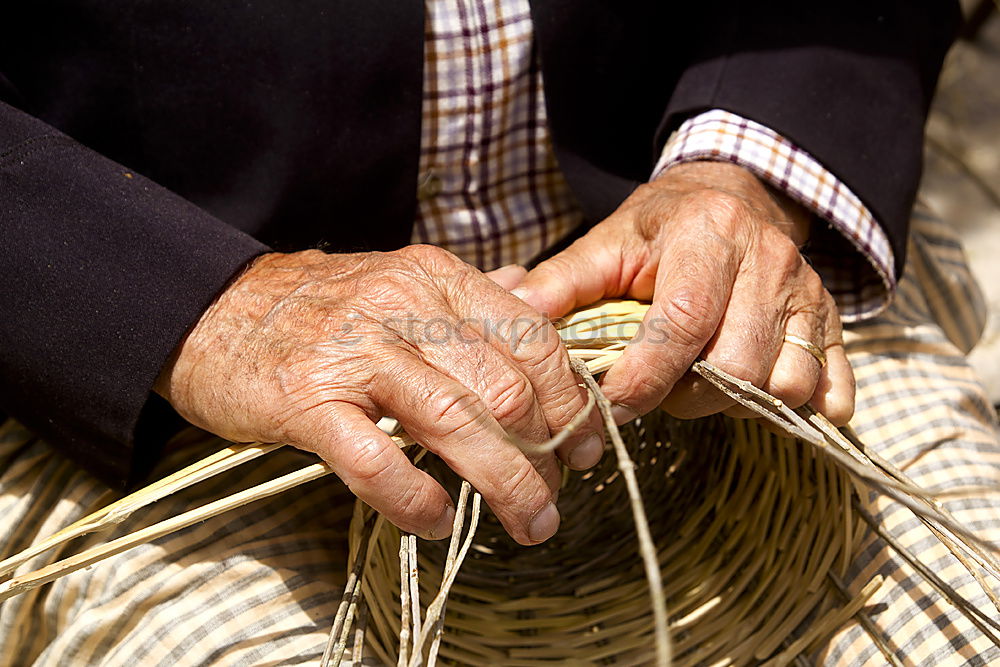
[(817, 353)]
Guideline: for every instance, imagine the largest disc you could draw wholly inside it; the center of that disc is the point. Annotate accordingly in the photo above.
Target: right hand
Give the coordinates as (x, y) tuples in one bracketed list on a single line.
[(311, 349)]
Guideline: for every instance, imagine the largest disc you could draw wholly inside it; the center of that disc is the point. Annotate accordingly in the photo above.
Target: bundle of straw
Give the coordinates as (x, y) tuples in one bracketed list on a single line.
[(739, 538)]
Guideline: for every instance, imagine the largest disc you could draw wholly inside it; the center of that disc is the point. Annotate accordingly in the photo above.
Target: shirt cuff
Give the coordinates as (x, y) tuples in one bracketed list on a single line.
[(850, 252)]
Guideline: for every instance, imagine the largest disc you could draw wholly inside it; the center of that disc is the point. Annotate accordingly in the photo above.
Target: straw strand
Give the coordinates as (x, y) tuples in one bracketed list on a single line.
[(436, 609), (646, 547)]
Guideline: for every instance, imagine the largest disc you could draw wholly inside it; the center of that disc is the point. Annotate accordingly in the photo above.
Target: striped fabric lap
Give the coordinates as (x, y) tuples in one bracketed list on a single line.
[(921, 405), (250, 587)]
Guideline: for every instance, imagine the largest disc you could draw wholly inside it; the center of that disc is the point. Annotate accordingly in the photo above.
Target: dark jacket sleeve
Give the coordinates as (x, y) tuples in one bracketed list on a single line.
[(849, 82), (102, 272)]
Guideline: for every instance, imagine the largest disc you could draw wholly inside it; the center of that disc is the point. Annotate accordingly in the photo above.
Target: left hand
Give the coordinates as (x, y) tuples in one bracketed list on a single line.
[(717, 255)]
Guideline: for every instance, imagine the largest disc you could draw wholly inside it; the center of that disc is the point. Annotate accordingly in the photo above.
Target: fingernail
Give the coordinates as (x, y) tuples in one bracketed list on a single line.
[(623, 414), (442, 528), (587, 453), (544, 524), (521, 293)]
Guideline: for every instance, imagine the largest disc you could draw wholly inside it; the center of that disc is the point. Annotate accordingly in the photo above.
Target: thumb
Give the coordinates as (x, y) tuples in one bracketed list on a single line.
[(587, 271), (507, 277)]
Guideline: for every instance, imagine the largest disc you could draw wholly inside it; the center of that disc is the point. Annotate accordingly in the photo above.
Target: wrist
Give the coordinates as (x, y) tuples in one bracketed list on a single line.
[(798, 218), (170, 381)]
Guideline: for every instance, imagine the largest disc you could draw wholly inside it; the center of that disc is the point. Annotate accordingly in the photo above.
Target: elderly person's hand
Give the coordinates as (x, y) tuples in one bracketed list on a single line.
[(310, 349), (717, 255)]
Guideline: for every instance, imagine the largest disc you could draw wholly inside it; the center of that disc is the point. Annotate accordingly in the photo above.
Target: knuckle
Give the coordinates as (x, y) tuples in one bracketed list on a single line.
[(512, 400), (830, 304), (453, 409), (794, 388), (532, 339), (814, 285), (789, 262), (834, 331), (726, 209), (689, 318), (722, 200), (429, 256), (412, 503), (368, 461), (517, 486), (561, 406), (421, 251)]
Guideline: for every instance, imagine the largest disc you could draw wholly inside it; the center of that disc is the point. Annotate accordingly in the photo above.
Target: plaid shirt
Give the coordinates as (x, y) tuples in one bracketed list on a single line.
[(490, 188)]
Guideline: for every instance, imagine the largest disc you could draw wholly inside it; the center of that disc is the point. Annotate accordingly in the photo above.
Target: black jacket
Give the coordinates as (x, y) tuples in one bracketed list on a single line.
[(150, 148)]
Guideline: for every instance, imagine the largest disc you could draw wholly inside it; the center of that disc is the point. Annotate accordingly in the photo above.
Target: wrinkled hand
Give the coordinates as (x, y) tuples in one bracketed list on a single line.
[(310, 349), (717, 255)]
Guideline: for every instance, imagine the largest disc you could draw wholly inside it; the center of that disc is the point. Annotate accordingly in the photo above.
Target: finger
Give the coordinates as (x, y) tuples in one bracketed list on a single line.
[(532, 344), (799, 377), (508, 277), (776, 293), (465, 357), (693, 286), (374, 468), (587, 271), (454, 423), (793, 379), (795, 372), (835, 391), (535, 346)]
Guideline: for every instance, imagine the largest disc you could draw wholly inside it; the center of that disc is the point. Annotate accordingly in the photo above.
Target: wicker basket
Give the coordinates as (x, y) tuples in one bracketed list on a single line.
[(748, 526)]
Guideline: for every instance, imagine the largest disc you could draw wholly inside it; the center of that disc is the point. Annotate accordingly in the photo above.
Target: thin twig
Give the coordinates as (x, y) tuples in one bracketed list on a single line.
[(970, 611), (979, 550), (31, 580), (436, 608), (116, 512), (333, 651), (646, 547), (865, 621), (404, 601), (411, 547), (449, 564), (358, 654), (341, 646), (113, 514), (851, 453), (562, 436), (810, 426)]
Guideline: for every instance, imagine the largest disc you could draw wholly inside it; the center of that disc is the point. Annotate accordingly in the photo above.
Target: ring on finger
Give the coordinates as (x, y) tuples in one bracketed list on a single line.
[(815, 351)]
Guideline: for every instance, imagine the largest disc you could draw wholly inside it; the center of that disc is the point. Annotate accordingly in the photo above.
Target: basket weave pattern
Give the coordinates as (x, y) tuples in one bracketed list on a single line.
[(747, 524)]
